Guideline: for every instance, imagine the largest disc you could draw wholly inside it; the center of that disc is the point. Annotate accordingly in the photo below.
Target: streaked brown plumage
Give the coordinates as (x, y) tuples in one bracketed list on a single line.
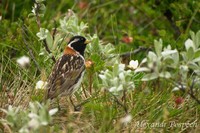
[(68, 71)]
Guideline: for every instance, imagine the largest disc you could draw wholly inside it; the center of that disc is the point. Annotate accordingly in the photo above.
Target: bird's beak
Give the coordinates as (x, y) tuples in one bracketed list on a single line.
[(87, 41)]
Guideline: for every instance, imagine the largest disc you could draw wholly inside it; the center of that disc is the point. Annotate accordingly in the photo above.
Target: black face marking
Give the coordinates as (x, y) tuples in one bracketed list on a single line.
[(78, 44)]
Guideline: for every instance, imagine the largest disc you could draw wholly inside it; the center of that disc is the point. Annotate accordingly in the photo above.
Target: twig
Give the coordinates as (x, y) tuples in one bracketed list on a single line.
[(84, 91), (37, 14), (124, 98), (6, 128), (191, 92), (54, 30), (136, 51), (48, 50), (168, 14), (192, 19), (39, 26), (128, 54), (29, 49), (121, 104), (90, 82)]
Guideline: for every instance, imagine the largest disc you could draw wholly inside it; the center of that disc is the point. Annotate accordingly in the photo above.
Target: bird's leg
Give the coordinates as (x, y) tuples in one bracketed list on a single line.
[(76, 108), (82, 103)]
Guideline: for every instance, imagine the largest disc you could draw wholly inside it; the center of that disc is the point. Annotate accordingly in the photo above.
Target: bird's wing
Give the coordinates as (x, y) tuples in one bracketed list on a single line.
[(66, 73)]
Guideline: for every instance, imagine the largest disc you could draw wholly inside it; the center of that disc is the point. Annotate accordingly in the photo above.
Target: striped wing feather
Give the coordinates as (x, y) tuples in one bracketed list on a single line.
[(66, 73)]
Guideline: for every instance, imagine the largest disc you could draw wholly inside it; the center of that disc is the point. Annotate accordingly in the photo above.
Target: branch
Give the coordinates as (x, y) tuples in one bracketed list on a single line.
[(54, 30), (39, 26), (48, 50), (136, 51), (37, 14), (191, 92), (29, 49), (119, 103), (168, 14)]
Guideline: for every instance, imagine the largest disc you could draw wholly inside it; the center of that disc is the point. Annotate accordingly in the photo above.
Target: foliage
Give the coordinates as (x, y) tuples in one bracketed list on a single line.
[(34, 119), (182, 70), (159, 62), (71, 25), (118, 79), (116, 98)]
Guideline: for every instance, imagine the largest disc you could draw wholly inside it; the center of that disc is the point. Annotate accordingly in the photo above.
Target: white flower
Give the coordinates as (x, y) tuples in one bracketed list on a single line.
[(126, 119), (133, 64), (53, 111), (23, 61), (176, 89), (41, 85)]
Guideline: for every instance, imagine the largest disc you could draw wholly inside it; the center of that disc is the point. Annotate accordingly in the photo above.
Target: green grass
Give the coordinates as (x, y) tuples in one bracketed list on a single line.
[(150, 103)]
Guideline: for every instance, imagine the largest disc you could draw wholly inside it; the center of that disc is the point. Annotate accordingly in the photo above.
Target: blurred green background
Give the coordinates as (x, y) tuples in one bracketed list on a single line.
[(127, 24)]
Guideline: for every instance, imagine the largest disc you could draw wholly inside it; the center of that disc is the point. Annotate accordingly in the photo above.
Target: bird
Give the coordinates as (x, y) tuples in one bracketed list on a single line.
[(69, 69)]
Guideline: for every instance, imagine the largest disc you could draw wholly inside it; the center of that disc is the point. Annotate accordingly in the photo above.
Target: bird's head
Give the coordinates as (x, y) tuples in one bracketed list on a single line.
[(78, 43)]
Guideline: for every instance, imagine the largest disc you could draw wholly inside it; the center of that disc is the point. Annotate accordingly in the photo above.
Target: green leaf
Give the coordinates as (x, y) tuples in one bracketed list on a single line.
[(42, 34), (193, 65), (152, 56), (150, 76), (168, 60), (42, 7), (196, 59), (168, 52), (175, 58), (49, 40), (165, 75), (142, 69), (190, 53), (158, 46), (183, 54), (39, 1), (197, 53), (162, 33), (197, 39), (57, 40), (192, 34)]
